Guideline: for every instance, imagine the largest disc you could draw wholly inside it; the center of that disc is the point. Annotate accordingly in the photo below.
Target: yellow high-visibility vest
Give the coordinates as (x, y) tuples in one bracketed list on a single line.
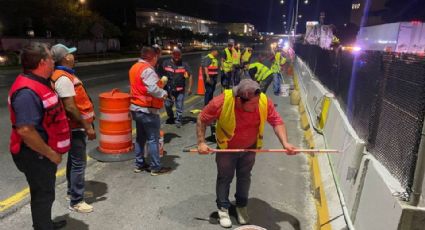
[(278, 62), (227, 65), (236, 56), (263, 72), (226, 123)]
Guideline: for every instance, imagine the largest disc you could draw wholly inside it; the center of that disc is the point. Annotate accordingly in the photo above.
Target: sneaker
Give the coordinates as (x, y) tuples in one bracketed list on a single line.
[(139, 169), (163, 170), (81, 207), (242, 214), (224, 218)]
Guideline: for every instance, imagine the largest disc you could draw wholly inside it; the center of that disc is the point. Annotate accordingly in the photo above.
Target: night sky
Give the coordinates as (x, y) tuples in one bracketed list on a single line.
[(266, 15)]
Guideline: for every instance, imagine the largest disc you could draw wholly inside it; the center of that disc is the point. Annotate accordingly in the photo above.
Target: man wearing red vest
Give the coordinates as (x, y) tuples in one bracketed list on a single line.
[(80, 112), (147, 98), (40, 131)]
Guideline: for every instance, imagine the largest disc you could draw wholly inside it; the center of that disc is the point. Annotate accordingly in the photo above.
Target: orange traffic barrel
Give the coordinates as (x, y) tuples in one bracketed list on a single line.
[(115, 141)]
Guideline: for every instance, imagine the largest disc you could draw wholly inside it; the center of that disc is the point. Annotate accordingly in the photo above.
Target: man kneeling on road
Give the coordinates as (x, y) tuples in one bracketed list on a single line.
[(241, 113), (80, 111)]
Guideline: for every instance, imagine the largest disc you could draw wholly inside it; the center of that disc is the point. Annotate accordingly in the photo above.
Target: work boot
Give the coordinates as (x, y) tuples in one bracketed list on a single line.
[(224, 218), (139, 169), (242, 214)]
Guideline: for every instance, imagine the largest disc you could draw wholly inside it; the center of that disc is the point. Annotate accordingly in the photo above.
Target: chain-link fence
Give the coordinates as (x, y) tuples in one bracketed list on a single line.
[(383, 95)]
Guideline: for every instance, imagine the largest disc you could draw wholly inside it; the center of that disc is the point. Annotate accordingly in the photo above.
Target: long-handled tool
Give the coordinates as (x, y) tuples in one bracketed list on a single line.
[(264, 150)]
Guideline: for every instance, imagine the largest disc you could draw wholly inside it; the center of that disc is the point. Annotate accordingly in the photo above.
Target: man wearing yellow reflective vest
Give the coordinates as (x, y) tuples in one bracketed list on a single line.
[(237, 67), (278, 61), (262, 74), (210, 74), (227, 65), (246, 56), (241, 114)]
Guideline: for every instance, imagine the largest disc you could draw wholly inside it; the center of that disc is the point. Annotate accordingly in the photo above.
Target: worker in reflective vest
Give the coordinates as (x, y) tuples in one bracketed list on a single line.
[(147, 98), (237, 67), (80, 113), (227, 65), (241, 114), (40, 131), (261, 73), (246, 56), (210, 73), (177, 73), (278, 61)]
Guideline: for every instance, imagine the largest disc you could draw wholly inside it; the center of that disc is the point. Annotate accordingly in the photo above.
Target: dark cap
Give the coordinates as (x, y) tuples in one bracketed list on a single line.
[(247, 89), (214, 48)]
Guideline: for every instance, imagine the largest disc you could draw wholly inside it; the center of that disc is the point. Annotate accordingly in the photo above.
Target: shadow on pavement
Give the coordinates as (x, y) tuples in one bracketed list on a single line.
[(170, 161), (72, 223), (95, 191), (170, 136), (261, 214), (188, 119)]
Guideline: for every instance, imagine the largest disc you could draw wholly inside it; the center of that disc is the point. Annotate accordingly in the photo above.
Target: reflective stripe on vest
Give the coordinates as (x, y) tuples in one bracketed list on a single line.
[(226, 123), (138, 91), (81, 98), (263, 72), (213, 67), (54, 118), (236, 56), (228, 62)]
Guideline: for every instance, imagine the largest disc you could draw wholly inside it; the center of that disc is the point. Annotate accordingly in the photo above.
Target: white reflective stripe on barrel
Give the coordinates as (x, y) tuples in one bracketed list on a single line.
[(115, 138), (115, 116)]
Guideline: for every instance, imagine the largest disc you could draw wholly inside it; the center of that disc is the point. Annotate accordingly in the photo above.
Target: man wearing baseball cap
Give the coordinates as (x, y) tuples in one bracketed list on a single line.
[(241, 114), (80, 112)]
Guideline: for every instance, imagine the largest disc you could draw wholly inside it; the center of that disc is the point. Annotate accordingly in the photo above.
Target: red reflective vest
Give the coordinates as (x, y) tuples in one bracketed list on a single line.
[(82, 100), (139, 92), (54, 120), (213, 67)]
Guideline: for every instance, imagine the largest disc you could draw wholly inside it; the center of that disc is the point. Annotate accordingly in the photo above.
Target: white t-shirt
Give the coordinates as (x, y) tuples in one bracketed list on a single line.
[(64, 87)]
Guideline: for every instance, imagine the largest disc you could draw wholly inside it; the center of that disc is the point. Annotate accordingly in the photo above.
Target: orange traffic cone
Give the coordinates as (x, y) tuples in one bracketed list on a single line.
[(201, 87)]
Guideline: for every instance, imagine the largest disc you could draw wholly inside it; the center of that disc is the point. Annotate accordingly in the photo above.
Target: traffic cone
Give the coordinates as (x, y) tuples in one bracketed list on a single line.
[(201, 87)]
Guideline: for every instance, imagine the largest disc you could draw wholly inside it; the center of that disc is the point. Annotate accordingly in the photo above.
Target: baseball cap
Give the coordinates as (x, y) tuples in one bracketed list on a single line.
[(59, 51), (247, 89)]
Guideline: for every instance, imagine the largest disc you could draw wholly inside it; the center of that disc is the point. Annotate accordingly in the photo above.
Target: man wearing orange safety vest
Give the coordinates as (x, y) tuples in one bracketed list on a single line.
[(40, 131), (80, 112), (147, 98), (241, 114)]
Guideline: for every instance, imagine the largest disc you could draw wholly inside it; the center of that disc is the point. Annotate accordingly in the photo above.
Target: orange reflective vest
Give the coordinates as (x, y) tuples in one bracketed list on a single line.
[(138, 90), (81, 98), (54, 118)]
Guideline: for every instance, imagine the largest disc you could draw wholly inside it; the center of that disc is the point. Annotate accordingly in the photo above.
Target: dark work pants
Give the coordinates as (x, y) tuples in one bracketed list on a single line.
[(76, 166), (227, 164), (226, 79), (209, 89), (40, 174)]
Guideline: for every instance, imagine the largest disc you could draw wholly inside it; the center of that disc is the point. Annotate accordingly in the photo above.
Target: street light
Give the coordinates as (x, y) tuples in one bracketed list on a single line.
[(282, 2), (306, 2)]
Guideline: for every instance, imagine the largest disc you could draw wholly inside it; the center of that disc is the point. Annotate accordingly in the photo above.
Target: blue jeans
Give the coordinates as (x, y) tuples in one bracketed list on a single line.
[(277, 81), (140, 156), (227, 164), (179, 99), (76, 166), (209, 89), (147, 129)]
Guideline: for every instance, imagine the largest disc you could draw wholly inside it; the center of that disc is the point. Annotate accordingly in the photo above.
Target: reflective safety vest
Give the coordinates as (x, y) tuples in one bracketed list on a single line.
[(213, 67), (226, 123), (278, 62), (228, 61), (176, 74), (54, 119), (81, 98), (246, 56), (138, 90), (236, 56), (263, 72)]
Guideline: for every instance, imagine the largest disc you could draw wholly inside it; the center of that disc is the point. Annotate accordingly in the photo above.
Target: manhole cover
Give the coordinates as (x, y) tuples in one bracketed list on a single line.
[(250, 227)]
